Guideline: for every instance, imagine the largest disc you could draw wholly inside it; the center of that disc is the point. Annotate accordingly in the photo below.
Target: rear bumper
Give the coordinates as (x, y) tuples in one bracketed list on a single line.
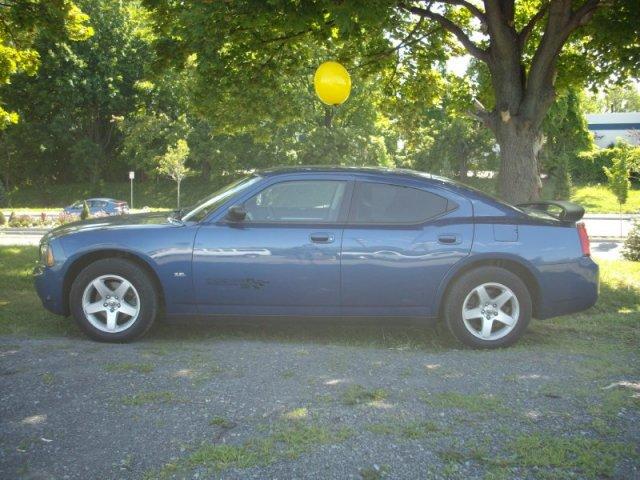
[(568, 288), (48, 285)]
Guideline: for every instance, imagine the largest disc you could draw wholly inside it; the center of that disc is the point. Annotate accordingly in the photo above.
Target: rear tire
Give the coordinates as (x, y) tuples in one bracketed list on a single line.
[(488, 307), (113, 300)]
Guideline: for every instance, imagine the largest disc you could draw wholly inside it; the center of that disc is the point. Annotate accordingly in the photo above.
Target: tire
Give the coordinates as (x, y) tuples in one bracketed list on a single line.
[(113, 300), (474, 311)]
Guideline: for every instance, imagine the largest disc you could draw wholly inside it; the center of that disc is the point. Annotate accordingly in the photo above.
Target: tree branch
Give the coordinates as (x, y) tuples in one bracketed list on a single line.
[(561, 23), (479, 14), (525, 33), (583, 14), (408, 40), (451, 27)]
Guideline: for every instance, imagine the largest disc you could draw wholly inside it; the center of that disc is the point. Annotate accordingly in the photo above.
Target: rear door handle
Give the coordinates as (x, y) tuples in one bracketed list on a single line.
[(322, 237), (449, 239)]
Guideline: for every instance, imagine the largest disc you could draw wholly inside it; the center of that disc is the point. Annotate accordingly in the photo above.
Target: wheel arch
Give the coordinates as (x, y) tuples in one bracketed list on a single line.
[(515, 265), (87, 258)]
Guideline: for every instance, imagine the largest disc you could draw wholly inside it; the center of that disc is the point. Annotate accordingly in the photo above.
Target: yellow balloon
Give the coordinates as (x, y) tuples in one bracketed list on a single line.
[(332, 83)]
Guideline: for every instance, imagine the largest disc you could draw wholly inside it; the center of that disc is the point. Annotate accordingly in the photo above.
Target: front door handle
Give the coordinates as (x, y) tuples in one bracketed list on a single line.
[(449, 239), (322, 237)]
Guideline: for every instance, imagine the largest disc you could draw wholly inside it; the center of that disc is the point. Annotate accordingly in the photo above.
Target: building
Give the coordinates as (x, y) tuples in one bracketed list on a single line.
[(609, 127)]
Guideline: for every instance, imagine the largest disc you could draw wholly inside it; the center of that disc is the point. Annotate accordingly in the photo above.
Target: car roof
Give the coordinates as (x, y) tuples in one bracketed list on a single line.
[(103, 199), (384, 171)]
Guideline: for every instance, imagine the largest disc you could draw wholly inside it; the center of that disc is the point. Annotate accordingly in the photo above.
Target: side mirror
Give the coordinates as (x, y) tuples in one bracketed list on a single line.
[(236, 213)]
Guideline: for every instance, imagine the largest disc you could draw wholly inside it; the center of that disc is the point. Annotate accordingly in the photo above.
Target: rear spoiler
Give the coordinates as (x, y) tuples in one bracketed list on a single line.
[(563, 211)]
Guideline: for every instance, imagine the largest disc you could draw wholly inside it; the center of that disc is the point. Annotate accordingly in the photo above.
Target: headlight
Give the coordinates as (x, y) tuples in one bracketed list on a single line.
[(46, 255)]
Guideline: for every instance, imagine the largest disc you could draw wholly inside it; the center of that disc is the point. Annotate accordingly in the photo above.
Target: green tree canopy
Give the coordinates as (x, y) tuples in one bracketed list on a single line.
[(23, 23), (252, 55)]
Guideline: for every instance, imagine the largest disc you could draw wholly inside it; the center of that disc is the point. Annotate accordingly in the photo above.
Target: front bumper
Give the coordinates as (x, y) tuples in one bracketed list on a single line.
[(49, 286)]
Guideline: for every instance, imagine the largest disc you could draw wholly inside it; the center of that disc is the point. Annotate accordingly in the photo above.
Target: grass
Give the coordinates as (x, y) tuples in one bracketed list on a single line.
[(286, 440), (599, 199), (595, 198), (146, 398), (591, 458), (221, 422), (410, 430), (357, 394)]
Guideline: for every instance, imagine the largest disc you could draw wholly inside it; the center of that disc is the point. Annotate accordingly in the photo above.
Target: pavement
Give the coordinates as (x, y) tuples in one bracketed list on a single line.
[(269, 402)]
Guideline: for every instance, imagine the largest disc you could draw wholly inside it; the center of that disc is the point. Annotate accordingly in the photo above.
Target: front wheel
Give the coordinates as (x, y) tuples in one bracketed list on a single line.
[(488, 307), (113, 300)]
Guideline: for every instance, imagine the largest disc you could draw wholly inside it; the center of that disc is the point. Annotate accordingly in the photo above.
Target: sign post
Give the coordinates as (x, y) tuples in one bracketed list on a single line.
[(132, 175)]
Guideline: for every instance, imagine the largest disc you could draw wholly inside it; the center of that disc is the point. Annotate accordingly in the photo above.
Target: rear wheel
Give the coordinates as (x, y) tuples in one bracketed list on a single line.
[(488, 307), (113, 300)]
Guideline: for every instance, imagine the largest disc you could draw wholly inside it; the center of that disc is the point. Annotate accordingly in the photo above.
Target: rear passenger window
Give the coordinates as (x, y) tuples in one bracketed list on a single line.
[(385, 203)]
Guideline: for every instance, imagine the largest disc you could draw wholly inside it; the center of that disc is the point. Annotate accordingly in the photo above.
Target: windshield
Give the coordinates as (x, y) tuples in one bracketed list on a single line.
[(209, 204)]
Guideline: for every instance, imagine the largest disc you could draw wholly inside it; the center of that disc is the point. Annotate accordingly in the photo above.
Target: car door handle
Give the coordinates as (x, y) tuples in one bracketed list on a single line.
[(322, 237), (449, 239)]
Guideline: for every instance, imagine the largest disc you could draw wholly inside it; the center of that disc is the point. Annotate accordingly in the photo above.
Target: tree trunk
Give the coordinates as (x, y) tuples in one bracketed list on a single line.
[(178, 194), (518, 180)]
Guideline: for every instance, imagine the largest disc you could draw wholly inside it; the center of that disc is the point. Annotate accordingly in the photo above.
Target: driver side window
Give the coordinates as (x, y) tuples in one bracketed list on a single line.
[(306, 201)]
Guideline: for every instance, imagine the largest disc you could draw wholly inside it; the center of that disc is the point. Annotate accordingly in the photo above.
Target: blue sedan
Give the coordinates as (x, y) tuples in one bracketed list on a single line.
[(329, 242), (108, 206)]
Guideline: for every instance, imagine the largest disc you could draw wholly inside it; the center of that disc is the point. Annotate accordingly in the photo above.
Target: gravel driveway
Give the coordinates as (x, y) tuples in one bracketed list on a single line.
[(300, 400)]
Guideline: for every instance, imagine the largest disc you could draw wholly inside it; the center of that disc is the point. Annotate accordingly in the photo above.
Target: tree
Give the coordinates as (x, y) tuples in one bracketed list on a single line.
[(618, 179), (616, 98), (173, 163), (71, 109), (566, 135), (631, 247), (25, 21), (247, 49)]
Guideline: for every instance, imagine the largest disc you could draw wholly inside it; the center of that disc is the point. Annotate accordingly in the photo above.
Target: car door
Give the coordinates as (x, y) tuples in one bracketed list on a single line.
[(283, 258), (398, 244)]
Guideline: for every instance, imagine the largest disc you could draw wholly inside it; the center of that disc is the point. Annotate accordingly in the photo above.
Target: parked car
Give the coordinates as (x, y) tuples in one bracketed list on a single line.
[(107, 206), (326, 241)]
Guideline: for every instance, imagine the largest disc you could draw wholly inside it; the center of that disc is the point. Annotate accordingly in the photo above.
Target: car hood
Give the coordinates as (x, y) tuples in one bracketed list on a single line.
[(114, 222)]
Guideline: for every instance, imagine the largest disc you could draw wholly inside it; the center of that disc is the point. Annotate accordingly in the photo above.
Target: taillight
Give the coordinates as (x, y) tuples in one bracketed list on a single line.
[(584, 239)]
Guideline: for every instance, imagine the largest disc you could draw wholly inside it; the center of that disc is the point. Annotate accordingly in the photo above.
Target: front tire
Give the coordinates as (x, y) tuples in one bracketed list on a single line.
[(113, 300), (488, 307)]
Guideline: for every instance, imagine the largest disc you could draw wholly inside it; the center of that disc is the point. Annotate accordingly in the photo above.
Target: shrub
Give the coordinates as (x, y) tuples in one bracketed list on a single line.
[(43, 218), (85, 211), (20, 222), (631, 248), (66, 218), (588, 167), (3, 195), (3, 219)]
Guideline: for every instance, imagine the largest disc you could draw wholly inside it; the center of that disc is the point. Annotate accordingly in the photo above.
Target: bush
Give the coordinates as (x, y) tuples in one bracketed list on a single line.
[(3, 195), (631, 248), (22, 221), (588, 167), (85, 211), (3, 219), (66, 218)]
